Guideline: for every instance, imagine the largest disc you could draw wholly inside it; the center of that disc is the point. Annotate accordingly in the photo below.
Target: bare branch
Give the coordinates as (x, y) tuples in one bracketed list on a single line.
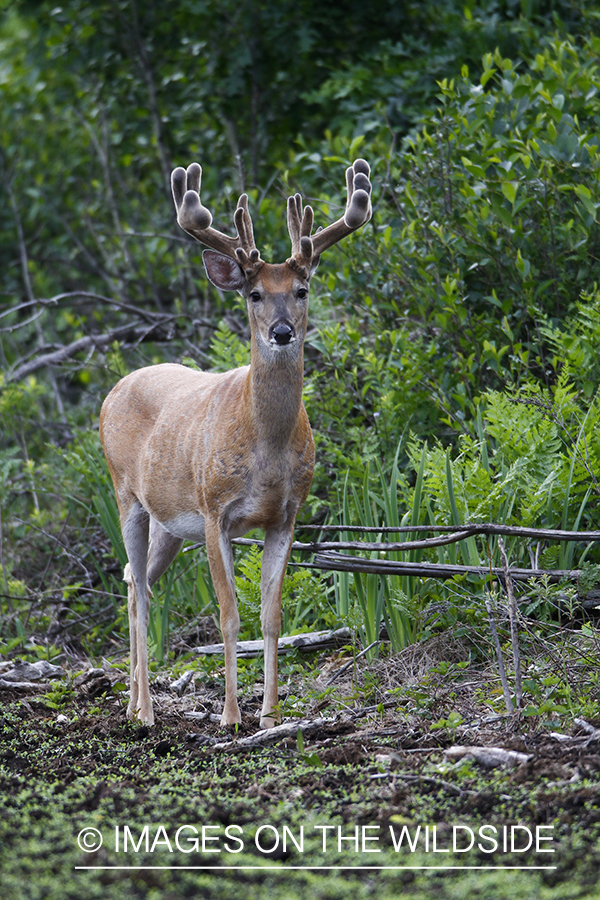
[(20, 306), (10, 328), (350, 663), (313, 640), (513, 613), (500, 659), (315, 546), (128, 333), (157, 318), (338, 562), (472, 528)]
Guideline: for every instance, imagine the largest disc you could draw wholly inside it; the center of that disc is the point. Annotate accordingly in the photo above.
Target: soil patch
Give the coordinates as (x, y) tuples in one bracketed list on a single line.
[(340, 794)]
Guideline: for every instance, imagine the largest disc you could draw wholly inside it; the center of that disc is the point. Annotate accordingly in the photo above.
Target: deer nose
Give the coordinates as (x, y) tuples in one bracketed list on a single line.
[(282, 334)]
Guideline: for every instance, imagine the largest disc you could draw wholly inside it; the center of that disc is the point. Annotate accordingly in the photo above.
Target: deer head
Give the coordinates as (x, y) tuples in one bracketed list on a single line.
[(276, 294)]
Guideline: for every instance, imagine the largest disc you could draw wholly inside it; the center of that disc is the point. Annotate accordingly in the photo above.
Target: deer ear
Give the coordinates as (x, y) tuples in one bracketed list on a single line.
[(223, 271)]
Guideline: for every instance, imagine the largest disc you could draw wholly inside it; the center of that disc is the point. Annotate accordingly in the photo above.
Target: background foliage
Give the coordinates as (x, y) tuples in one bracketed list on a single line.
[(452, 369)]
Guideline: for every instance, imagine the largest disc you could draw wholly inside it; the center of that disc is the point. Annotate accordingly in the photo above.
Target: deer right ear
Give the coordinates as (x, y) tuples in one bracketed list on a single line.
[(224, 272)]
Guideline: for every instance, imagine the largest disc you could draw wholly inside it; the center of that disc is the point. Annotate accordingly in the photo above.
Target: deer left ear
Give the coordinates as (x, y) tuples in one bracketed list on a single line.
[(224, 272)]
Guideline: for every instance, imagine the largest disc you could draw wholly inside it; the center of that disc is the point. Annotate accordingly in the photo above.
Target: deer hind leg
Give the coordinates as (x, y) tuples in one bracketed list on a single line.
[(278, 543), (163, 550), (220, 559), (135, 537), (132, 618)]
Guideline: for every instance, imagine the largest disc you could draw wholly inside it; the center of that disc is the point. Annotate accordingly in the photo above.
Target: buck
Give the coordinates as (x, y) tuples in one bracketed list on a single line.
[(209, 456)]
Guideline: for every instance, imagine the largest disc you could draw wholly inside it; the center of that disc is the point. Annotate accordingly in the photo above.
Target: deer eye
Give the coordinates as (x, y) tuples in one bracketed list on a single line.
[(302, 293), (255, 296)]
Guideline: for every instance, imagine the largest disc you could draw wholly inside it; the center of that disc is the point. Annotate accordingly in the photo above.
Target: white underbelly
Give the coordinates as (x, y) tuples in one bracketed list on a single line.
[(188, 526)]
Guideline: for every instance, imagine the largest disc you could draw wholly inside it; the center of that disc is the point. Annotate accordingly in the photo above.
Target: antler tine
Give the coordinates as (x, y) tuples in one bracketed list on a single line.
[(358, 208), (246, 254), (196, 219), (300, 223), (294, 213)]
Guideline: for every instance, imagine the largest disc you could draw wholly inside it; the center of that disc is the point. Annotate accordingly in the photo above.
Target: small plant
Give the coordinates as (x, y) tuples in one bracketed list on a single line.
[(451, 722), (311, 759), (550, 697), (59, 697)]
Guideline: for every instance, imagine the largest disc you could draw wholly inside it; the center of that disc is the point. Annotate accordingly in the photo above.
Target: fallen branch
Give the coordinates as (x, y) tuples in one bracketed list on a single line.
[(340, 563), (489, 757), (180, 684), (24, 672), (317, 640), (370, 710), (424, 779), (450, 535), (315, 546), (350, 662), (25, 686), (290, 729), (473, 528), (590, 729)]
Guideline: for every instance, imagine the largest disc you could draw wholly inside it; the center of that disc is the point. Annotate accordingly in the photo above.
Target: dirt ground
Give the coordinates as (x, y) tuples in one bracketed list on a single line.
[(370, 798)]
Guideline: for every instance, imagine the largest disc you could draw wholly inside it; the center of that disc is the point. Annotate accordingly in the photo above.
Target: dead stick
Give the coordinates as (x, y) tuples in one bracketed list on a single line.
[(505, 689), (350, 663), (513, 614)]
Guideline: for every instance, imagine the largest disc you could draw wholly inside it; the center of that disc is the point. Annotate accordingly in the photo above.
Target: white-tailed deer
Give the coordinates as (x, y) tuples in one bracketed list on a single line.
[(208, 457)]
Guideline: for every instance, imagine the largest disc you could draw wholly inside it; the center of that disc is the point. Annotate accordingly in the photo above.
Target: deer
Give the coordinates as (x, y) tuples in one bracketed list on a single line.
[(208, 457)]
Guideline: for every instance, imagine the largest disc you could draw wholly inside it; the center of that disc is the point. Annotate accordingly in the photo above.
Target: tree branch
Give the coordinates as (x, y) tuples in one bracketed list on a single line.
[(338, 562), (128, 333), (472, 528)]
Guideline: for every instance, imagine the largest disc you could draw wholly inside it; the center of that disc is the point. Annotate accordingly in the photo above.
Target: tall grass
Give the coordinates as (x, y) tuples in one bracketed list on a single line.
[(528, 473), (380, 598)]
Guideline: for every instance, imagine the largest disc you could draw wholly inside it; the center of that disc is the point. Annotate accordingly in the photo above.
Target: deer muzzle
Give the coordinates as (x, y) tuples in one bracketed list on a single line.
[(283, 333)]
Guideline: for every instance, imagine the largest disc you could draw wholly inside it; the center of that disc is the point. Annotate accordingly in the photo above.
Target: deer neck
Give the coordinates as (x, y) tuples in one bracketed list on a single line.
[(274, 391)]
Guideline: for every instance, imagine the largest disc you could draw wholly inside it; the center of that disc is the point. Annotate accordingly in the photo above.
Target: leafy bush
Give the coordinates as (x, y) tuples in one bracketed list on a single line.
[(452, 365), (475, 265)]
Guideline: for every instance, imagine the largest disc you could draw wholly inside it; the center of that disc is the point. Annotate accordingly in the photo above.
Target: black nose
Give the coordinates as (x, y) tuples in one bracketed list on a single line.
[(283, 333)]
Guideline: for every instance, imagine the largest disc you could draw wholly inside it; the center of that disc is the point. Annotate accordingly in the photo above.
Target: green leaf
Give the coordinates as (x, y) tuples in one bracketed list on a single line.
[(509, 189), (523, 265), (585, 196)]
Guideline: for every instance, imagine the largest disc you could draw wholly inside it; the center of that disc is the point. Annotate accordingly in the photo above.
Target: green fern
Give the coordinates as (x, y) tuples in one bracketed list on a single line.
[(228, 350)]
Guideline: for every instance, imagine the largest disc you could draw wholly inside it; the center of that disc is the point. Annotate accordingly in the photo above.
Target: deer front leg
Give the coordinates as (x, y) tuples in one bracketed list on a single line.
[(278, 543), (220, 559)]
